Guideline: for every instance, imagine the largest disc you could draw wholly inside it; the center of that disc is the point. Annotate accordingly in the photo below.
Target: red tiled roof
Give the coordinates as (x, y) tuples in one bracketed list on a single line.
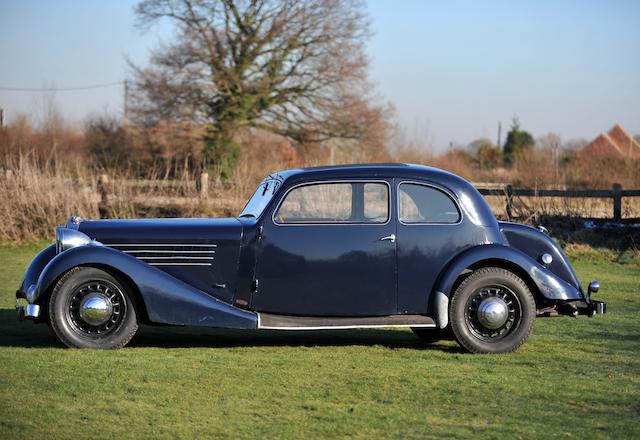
[(617, 142)]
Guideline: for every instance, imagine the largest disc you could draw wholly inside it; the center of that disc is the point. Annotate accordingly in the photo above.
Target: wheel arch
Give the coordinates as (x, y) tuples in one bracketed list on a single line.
[(544, 284), (511, 267), (138, 300)]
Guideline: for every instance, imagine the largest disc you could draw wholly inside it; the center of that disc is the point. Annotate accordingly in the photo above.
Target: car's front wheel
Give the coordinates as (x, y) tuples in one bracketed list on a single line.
[(90, 308), (492, 311)]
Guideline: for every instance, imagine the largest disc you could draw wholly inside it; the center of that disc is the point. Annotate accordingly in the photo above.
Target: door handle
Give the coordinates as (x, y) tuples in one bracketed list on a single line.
[(391, 238)]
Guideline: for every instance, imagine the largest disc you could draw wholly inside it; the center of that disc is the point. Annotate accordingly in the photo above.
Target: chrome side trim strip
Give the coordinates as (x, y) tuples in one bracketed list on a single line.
[(343, 327), (175, 258), (162, 244), (156, 251), (179, 264)]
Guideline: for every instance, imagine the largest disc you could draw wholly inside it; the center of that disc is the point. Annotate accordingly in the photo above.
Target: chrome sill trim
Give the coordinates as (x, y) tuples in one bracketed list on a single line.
[(161, 244), (343, 327), (179, 264), (175, 258), (156, 251)]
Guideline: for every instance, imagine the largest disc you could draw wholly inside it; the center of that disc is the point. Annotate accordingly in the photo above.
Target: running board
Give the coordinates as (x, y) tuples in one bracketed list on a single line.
[(285, 322)]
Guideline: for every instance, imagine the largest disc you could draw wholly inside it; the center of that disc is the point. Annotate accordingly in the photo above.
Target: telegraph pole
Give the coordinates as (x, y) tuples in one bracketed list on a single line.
[(499, 145), (125, 110)]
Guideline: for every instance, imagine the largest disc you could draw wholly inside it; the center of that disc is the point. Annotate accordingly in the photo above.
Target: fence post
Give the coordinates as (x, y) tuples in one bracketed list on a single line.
[(103, 190), (203, 184), (617, 202), (508, 207)]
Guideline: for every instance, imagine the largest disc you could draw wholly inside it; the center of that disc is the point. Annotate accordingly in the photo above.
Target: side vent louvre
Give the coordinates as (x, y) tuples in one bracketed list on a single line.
[(169, 254)]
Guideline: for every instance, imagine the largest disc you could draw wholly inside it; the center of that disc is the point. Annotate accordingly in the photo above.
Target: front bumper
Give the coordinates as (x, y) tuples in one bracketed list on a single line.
[(25, 305), (28, 304), (27, 311)]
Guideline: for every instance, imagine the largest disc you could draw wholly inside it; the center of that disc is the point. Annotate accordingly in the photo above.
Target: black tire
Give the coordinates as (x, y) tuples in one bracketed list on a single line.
[(470, 325), (430, 335), (67, 321)]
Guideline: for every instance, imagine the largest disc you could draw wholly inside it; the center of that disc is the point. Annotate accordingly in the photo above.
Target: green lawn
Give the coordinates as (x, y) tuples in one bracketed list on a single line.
[(574, 378)]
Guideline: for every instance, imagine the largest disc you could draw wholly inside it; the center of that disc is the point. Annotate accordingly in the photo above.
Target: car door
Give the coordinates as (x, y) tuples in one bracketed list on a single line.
[(328, 249), (430, 232)]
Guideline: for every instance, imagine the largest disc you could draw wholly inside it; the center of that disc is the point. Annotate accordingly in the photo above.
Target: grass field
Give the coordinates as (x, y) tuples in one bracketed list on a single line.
[(575, 378)]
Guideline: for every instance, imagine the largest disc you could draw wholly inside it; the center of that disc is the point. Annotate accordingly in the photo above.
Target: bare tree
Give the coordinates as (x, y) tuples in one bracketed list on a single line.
[(552, 142), (290, 67)]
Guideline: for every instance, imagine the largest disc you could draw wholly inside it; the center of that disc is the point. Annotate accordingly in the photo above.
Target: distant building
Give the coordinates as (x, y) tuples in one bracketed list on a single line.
[(617, 143)]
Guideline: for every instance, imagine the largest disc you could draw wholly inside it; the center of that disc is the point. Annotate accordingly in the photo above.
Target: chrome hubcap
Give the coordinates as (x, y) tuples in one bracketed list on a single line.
[(493, 313), (95, 309)]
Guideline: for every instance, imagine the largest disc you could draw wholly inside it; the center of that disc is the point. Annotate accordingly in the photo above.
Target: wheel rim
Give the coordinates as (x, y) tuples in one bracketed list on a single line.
[(96, 308), (493, 312)]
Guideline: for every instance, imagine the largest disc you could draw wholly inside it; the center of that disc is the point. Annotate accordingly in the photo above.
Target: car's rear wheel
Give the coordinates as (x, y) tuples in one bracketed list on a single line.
[(90, 308), (492, 311), (430, 335)]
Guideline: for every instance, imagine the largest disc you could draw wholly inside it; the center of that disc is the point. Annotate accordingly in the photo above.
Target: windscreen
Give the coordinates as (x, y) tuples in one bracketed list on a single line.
[(261, 198)]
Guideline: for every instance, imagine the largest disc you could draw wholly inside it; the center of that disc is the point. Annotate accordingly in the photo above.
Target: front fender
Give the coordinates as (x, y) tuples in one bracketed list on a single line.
[(167, 300), (549, 285), (36, 267)]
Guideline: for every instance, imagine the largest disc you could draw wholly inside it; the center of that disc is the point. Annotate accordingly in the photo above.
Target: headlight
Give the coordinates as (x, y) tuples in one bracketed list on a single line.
[(69, 238)]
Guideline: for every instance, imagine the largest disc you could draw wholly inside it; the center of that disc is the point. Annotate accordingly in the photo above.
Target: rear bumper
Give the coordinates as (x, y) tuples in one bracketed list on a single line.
[(597, 308), (584, 306), (588, 307)]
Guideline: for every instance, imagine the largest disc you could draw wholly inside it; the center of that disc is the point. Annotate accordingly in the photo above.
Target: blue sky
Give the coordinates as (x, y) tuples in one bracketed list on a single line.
[(452, 69)]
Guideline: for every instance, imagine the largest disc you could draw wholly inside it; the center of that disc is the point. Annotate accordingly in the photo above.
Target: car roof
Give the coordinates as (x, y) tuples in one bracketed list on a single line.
[(401, 170), (465, 192)]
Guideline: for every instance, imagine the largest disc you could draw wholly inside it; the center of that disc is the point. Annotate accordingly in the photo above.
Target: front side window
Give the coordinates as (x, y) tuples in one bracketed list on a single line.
[(348, 202), (425, 204)]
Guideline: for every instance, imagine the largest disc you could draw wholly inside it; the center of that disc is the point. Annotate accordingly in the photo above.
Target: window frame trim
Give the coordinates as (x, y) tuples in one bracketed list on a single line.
[(319, 182), (442, 189)]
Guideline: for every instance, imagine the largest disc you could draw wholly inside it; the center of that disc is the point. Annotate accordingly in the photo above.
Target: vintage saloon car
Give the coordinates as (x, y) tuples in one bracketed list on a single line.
[(384, 245)]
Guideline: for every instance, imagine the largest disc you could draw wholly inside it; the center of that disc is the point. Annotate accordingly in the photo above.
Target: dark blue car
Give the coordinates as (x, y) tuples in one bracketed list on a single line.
[(317, 248)]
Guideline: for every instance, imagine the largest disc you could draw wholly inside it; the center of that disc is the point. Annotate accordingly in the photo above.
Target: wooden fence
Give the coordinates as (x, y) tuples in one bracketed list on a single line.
[(201, 188), (616, 193)]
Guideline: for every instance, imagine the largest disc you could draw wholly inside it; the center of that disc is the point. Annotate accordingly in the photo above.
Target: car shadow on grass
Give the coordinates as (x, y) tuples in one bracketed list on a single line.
[(30, 335)]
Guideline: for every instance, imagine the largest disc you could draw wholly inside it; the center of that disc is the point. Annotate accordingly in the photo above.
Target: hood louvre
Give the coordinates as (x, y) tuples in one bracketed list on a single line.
[(169, 254)]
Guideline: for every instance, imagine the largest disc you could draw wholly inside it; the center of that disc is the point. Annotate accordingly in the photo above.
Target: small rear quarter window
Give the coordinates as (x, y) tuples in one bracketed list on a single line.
[(426, 204)]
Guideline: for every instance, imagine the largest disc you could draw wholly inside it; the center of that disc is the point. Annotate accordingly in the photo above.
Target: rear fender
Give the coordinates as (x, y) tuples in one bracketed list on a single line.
[(548, 285), (167, 300)]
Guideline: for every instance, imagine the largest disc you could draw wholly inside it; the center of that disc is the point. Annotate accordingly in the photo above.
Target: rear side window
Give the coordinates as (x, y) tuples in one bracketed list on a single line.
[(425, 204), (349, 202)]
